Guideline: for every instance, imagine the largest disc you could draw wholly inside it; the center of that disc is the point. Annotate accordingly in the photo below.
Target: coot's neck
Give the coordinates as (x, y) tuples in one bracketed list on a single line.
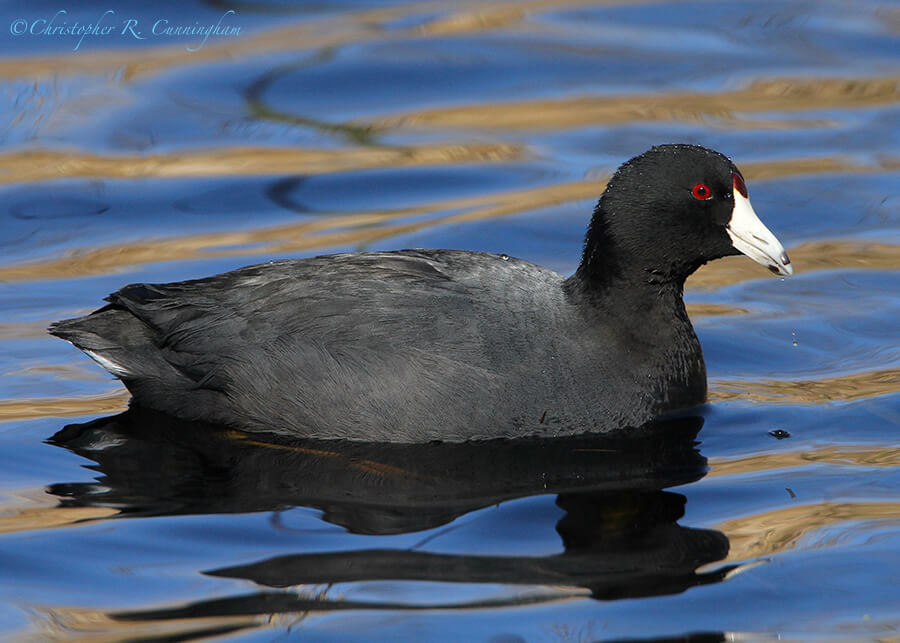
[(622, 303), (615, 269), (644, 322), (633, 297)]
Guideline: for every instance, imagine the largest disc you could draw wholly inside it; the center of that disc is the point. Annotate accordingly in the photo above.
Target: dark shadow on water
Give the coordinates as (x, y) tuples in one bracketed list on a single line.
[(619, 533), (260, 109)]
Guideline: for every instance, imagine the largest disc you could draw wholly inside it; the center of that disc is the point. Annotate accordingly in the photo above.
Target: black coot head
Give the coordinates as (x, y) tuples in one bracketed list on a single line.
[(670, 210)]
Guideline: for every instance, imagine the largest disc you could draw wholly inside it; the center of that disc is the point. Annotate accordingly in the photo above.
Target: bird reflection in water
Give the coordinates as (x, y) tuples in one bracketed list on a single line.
[(620, 535)]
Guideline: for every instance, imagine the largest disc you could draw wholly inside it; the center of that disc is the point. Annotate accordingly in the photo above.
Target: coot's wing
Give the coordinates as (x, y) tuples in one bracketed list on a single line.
[(335, 343)]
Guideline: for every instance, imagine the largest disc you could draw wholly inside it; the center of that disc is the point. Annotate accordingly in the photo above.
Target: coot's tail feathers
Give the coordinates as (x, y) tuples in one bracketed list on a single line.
[(117, 340)]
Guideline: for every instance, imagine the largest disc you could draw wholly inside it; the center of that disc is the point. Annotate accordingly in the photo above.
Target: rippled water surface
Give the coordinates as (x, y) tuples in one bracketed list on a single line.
[(493, 126)]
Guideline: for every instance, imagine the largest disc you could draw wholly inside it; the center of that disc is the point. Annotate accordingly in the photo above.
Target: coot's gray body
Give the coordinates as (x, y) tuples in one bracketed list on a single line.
[(421, 345)]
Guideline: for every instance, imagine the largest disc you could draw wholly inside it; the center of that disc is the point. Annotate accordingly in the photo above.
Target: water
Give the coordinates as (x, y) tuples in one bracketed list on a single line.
[(350, 125)]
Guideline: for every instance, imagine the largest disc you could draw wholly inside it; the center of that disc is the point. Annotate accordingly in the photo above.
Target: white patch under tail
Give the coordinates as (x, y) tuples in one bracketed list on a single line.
[(108, 364)]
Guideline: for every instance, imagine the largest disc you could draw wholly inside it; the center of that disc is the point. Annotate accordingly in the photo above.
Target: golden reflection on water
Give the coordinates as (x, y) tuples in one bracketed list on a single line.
[(36, 164), (24, 330), (849, 455), (31, 165), (726, 107), (841, 388), (74, 624), (807, 257), (779, 530), (67, 372), (34, 509), (714, 310), (84, 625), (114, 401)]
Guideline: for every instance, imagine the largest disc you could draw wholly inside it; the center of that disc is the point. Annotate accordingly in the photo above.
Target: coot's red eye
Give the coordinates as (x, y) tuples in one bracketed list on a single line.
[(701, 191)]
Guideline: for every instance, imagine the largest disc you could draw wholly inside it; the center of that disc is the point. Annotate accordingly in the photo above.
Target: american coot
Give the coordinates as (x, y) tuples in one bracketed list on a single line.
[(421, 345)]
